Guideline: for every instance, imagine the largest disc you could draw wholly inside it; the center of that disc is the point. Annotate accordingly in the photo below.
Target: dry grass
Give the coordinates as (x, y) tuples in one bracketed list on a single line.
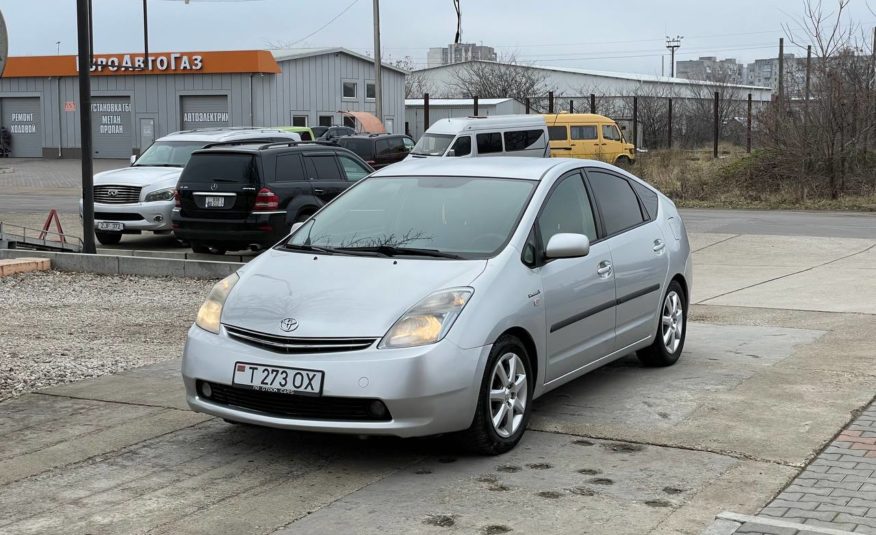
[(694, 179)]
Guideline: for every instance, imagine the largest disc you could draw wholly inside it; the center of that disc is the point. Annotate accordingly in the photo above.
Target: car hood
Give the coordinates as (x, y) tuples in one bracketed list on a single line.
[(337, 296), (138, 176)]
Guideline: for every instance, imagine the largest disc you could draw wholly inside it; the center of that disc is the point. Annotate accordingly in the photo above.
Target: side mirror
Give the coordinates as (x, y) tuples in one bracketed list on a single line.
[(567, 245), (133, 159), (296, 226), (451, 153)]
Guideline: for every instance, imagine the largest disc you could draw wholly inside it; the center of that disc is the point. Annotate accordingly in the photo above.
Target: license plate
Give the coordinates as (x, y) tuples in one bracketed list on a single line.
[(110, 225), (214, 202), (277, 379)]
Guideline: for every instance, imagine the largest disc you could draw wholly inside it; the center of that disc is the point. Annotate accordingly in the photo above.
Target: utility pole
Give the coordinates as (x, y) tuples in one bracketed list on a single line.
[(58, 44), (83, 23), (781, 86), (673, 43), (378, 86), (145, 34)]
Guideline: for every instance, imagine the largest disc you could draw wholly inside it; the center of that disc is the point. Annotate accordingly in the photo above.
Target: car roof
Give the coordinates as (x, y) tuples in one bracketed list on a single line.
[(218, 135), (496, 167), (456, 125), (563, 118), (372, 136)]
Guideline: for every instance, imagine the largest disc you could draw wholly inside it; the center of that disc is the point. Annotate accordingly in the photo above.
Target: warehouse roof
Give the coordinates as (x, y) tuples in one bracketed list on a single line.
[(450, 102), (300, 53)]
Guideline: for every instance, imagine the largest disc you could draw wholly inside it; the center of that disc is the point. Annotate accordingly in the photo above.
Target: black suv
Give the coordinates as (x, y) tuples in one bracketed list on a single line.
[(239, 196), (328, 133), (379, 150)]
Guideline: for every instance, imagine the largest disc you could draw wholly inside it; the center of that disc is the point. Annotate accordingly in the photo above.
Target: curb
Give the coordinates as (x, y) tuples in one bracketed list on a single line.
[(10, 266), (175, 255), (128, 265), (730, 523)]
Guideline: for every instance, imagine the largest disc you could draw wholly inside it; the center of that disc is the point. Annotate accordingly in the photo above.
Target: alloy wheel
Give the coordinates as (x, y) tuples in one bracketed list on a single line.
[(508, 394), (673, 322)]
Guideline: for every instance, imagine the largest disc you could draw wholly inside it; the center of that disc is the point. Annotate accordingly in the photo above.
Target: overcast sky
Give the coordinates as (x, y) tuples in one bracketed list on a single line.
[(618, 36)]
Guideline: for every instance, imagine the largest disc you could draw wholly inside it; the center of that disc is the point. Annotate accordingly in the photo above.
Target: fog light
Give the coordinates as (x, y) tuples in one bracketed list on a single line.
[(158, 219), (377, 408), (206, 391)]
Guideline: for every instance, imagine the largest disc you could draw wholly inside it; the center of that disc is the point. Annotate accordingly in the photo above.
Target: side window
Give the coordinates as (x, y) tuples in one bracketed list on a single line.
[(323, 167), (617, 201), (353, 169), (567, 210), (489, 143), (462, 147), (558, 133), (362, 147), (649, 199), (381, 147), (610, 132), (396, 145), (288, 168), (584, 132), (305, 136), (524, 139)]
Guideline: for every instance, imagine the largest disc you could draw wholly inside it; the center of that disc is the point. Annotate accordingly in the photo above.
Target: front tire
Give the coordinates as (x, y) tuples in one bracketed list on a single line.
[(505, 399), (108, 238), (671, 330), (623, 161)]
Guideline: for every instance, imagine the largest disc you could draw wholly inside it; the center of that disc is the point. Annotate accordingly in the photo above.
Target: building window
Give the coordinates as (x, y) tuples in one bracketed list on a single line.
[(349, 121), (299, 120), (326, 120), (349, 89), (370, 90)]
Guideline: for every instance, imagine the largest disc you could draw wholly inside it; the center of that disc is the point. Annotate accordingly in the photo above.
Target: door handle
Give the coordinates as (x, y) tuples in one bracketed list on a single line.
[(318, 191), (658, 246), (604, 269)]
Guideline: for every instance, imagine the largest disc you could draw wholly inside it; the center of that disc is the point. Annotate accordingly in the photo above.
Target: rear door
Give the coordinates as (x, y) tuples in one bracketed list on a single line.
[(561, 147), (289, 180), (389, 150), (219, 185), (325, 174), (638, 252)]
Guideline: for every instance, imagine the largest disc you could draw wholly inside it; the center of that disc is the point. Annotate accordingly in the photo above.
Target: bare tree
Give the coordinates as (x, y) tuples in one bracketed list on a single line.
[(507, 78), (416, 83)]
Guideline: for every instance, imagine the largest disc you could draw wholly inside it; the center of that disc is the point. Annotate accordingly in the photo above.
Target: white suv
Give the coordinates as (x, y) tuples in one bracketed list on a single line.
[(141, 197)]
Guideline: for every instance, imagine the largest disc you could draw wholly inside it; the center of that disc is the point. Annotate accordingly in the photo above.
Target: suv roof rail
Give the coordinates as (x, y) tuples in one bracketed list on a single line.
[(296, 143), (251, 141), (225, 129)]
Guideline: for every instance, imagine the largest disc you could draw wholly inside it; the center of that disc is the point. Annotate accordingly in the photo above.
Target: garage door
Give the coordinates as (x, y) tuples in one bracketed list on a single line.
[(203, 111), (111, 127), (21, 117)]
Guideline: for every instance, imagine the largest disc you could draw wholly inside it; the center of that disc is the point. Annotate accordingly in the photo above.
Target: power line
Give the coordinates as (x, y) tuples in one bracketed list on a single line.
[(324, 26)]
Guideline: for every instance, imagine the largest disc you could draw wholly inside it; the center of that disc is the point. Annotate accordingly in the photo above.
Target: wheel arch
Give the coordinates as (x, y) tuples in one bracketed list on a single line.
[(529, 343)]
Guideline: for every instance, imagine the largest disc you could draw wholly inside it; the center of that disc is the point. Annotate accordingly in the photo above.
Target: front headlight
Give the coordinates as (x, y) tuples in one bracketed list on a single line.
[(429, 320), (160, 195), (211, 311)]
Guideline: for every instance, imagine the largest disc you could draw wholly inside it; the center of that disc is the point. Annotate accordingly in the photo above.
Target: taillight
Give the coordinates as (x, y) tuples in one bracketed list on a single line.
[(177, 201), (266, 201)]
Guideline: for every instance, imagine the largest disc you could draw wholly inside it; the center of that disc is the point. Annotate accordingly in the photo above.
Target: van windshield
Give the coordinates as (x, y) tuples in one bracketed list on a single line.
[(168, 153), (432, 144)]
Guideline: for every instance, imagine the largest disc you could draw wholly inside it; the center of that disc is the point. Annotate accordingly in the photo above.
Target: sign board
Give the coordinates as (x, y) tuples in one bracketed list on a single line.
[(70, 106), (4, 43)]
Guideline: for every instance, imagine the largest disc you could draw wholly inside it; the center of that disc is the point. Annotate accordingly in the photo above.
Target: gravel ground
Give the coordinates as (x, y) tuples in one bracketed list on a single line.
[(62, 327)]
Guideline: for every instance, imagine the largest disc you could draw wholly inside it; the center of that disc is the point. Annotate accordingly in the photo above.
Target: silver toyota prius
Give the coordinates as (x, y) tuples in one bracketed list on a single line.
[(445, 295)]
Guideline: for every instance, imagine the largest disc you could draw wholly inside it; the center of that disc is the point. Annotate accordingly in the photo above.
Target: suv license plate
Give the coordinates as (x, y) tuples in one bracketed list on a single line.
[(111, 226), (214, 202), (277, 379)]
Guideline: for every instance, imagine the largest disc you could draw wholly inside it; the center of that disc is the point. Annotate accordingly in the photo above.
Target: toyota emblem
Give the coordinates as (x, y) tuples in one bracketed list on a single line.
[(289, 324)]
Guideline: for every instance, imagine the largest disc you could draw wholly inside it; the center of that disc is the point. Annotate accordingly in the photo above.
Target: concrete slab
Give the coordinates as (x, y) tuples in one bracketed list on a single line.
[(23, 265), (831, 288), (701, 240), (713, 280), (779, 251)]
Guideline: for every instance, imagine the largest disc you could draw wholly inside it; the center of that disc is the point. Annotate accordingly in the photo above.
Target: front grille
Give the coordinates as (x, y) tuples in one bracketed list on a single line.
[(282, 344), (117, 194), (109, 216), (297, 406)]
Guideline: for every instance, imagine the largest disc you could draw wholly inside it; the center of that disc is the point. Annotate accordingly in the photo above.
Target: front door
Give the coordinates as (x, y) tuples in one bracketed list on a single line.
[(579, 293), (638, 252), (612, 143)]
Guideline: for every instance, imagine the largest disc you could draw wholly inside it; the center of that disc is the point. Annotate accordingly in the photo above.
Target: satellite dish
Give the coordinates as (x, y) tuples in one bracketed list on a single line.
[(4, 43)]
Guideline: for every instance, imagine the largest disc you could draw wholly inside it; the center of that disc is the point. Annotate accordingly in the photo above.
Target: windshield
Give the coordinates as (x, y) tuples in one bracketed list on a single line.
[(432, 144), (168, 153), (457, 216)]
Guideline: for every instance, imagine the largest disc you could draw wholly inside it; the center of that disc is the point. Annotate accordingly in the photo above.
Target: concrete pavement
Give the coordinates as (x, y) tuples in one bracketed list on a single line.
[(759, 391)]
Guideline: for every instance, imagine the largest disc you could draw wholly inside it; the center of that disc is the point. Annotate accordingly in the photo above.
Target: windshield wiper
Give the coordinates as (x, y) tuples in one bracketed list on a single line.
[(391, 250), (324, 250)]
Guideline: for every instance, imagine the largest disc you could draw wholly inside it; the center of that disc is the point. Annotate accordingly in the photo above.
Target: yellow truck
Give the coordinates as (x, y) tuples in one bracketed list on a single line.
[(588, 135)]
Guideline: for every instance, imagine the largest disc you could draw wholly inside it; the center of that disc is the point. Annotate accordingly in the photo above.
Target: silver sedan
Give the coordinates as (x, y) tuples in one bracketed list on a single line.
[(441, 296)]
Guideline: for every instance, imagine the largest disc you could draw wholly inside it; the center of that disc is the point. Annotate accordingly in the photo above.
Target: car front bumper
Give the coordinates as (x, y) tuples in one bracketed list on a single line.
[(148, 216), (428, 390)]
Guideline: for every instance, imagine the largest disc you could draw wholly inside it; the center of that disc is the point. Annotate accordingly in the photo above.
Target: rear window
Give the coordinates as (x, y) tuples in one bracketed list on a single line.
[(557, 133), (584, 132), (235, 168), (362, 147), (524, 139)]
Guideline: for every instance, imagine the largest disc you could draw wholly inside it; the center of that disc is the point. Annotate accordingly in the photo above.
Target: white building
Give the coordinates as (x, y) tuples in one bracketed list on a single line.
[(458, 53)]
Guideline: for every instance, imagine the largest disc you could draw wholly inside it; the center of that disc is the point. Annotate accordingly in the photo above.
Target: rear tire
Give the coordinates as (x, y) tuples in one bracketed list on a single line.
[(671, 330), (499, 395), (108, 238)]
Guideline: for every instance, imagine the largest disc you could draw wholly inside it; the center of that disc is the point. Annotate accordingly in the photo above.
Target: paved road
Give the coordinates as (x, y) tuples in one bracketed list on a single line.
[(780, 222), (624, 450)]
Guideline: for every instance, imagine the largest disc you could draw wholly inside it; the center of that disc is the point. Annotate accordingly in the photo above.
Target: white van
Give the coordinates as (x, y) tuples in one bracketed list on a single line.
[(497, 135)]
